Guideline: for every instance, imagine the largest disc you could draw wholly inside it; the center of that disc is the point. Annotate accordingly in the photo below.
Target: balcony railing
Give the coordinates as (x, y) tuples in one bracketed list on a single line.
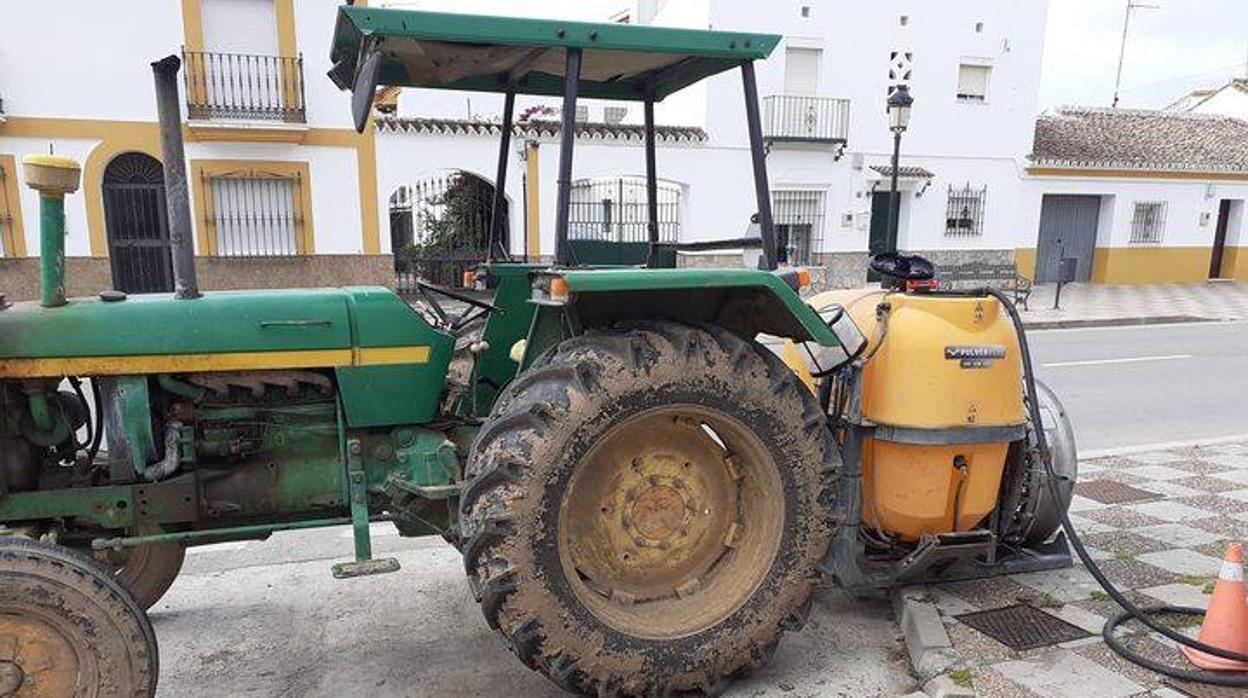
[(809, 119), (240, 86)]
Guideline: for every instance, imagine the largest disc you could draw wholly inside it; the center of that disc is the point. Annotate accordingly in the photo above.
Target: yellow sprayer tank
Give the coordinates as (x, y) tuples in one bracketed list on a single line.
[(942, 388)]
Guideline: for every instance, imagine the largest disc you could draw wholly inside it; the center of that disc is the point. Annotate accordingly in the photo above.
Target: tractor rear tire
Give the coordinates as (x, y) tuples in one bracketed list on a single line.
[(67, 627), (646, 509)]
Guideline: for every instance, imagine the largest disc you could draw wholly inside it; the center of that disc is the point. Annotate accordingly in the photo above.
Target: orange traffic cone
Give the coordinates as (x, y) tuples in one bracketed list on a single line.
[(1226, 621)]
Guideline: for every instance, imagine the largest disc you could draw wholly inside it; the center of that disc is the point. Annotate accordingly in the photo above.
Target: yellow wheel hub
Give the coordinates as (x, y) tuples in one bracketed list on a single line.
[(674, 503), (40, 658)]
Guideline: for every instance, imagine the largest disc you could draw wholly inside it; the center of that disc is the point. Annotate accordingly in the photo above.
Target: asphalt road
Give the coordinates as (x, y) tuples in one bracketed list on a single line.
[(267, 619), (1142, 385)]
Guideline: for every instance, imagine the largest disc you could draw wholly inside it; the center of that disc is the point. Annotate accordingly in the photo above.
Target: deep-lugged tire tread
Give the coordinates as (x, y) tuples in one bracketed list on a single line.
[(533, 402)]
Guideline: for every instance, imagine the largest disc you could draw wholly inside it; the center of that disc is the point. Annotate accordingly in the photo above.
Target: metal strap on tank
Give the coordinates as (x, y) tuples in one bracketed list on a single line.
[(955, 435)]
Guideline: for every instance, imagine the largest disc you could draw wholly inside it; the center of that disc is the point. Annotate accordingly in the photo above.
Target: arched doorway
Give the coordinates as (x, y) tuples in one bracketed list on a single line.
[(440, 227), (137, 224)]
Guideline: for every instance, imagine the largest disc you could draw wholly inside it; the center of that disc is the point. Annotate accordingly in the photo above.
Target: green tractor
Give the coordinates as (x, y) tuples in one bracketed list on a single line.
[(644, 495)]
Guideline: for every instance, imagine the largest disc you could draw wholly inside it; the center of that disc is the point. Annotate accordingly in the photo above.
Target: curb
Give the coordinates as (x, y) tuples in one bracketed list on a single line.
[(1162, 446), (1116, 322), (927, 643)]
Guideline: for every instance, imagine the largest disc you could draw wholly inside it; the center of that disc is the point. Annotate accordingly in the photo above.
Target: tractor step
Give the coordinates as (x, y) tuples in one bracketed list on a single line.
[(381, 565)]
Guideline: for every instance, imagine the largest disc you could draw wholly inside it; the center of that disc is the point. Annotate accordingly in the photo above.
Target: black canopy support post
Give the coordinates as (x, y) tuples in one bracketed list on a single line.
[(652, 186), (567, 137), (758, 154), (500, 182)]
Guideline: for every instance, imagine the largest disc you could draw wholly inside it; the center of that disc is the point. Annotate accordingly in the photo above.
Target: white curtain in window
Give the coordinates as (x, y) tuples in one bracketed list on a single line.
[(255, 216)]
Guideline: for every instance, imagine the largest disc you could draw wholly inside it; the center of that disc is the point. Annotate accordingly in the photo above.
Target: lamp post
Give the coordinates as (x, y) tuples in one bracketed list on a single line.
[(899, 103)]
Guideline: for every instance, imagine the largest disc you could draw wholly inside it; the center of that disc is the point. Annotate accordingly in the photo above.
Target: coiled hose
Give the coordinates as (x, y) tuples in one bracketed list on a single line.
[(1130, 610)]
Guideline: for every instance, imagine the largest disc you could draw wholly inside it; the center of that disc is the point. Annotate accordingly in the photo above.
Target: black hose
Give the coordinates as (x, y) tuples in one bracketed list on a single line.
[(1130, 610)]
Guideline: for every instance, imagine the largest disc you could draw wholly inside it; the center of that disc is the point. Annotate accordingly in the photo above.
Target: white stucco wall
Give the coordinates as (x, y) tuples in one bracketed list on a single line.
[(1229, 101)]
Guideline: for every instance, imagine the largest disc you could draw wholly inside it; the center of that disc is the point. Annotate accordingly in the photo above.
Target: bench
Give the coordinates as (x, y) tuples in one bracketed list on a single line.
[(1004, 277)]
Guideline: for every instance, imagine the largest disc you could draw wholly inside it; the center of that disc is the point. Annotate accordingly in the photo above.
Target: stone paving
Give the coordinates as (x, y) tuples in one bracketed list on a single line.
[(1163, 548), (1084, 303)]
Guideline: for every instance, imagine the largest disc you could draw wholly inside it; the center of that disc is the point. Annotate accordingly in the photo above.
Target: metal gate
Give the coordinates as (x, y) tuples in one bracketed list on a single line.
[(137, 224), (608, 219), (440, 227), (1067, 229)]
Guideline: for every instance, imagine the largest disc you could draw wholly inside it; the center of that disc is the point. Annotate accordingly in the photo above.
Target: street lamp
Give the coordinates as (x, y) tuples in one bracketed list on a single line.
[(899, 103)]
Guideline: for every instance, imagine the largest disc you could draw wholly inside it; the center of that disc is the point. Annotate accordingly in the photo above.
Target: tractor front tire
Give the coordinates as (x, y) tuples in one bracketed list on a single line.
[(67, 628), (646, 509)]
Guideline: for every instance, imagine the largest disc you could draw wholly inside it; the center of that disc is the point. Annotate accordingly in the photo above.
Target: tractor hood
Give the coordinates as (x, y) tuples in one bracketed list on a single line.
[(370, 337)]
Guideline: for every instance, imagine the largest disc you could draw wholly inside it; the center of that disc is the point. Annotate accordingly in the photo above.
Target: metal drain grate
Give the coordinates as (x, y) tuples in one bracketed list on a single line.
[(1113, 492), (1022, 627), (1204, 690)]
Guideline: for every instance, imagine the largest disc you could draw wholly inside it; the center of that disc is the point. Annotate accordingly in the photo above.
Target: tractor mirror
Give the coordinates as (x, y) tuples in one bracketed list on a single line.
[(364, 88)]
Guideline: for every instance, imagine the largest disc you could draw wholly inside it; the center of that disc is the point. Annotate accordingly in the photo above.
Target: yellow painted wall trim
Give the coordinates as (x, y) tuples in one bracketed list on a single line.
[(203, 363), (366, 164), (118, 137), (192, 25), (1235, 263), (210, 132), (202, 171), (532, 195), (11, 208), (1136, 174), (1150, 264), (1025, 260)]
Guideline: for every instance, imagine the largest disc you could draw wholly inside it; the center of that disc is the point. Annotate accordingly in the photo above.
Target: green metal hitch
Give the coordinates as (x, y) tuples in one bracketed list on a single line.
[(357, 485)]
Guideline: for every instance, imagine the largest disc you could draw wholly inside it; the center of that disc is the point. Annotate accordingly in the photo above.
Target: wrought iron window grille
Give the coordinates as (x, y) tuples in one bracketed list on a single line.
[(1148, 221), (964, 212)]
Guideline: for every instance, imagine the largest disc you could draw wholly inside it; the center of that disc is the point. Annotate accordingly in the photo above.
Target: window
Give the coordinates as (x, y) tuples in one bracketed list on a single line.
[(979, 27), (801, 70), (798, 219), (253, 209), (964, 212), (1148, 222), (973, 82), (614, 115), (582, 113), (806, 10), (11, 242), (904, 20)]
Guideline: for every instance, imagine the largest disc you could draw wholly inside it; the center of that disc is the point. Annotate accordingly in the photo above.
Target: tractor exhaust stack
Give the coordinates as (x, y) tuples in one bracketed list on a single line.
[(177, 197)]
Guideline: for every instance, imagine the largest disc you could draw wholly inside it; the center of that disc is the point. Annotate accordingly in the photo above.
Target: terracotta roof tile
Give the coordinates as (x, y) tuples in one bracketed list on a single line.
[(541, 129), (1140, 139)]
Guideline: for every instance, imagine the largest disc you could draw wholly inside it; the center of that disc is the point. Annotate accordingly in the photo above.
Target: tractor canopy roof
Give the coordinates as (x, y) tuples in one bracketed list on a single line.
[(487, 54)]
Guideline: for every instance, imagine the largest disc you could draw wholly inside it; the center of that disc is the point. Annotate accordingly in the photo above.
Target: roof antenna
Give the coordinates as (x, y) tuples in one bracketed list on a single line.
[(1122, 48)]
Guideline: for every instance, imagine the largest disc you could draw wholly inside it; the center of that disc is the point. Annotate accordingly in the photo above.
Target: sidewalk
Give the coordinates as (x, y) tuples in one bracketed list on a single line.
[(1160, 539), (1099, 304)]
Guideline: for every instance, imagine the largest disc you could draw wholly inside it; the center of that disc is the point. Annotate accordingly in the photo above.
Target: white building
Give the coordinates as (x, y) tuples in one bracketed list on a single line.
[(973, 68), (1230, 99), (1136, 196), (283, 191)]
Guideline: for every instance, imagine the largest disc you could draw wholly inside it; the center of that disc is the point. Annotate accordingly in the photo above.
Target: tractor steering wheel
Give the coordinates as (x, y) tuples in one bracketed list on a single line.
[(903, 267)]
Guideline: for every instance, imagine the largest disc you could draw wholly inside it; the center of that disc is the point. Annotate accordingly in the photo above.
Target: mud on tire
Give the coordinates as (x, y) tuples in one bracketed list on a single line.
[(74, 629), (559, 606)]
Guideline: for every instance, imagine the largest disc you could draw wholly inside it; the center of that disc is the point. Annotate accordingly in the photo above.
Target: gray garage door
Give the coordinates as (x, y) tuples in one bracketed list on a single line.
[(1067, 228)]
